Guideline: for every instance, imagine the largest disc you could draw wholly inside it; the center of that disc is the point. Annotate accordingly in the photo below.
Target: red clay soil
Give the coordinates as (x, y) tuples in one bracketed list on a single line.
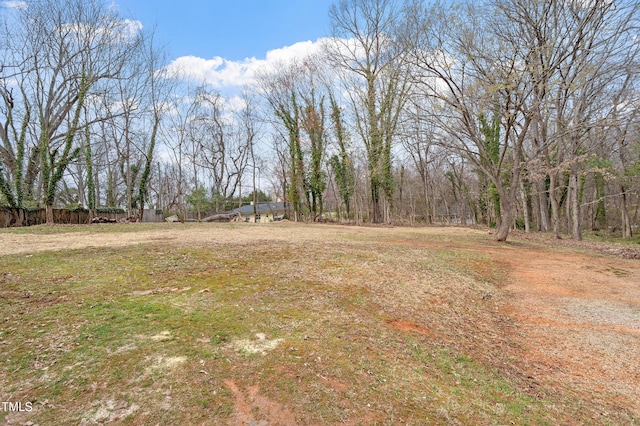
[(576, 324), (252, 408), (571, 323)]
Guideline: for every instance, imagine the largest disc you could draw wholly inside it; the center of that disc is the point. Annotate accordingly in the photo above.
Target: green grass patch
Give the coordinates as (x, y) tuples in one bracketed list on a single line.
[(611, 237)]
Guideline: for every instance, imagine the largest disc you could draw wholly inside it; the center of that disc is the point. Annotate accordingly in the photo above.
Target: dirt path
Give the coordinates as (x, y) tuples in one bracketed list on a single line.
[(577, 323)]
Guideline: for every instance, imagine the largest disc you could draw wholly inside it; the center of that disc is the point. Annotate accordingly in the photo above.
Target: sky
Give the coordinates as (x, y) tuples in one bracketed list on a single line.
[(223, 42), (232, 29)]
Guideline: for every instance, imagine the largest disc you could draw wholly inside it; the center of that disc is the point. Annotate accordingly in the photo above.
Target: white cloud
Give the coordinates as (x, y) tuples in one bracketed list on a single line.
[(214, 71), (289, 53), (131, 28), (12, 4), (220, 72), (235, 103), (117, 31)]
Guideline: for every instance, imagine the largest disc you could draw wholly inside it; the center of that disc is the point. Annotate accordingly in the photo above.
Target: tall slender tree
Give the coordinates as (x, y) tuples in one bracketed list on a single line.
[(342, 163), (364, 48)]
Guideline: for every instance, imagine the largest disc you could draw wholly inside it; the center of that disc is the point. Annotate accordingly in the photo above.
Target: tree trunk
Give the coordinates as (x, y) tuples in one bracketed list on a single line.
[(91, 187), (555, 207), (576, 229), (525, 206), (375, 200), (626, 222), (600, 213), (543, 211), (427, 206), (49, 214), (502, 232), (507, 202)]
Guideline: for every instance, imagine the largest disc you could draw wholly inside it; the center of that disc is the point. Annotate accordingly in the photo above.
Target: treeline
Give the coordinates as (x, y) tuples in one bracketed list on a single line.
[(511, 113), (80, 100)]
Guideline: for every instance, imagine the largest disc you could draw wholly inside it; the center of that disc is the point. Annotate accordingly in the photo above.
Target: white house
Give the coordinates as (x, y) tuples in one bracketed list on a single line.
[(262, 213)]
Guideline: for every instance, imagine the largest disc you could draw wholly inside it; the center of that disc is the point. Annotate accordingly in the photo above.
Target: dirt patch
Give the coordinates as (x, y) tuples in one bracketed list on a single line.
[(577, 323), (408, 326), (569, 321), (253, 409), (335, 384)]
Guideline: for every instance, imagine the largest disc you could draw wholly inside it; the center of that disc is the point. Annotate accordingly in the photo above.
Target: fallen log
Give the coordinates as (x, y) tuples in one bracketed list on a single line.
[(103, 220), (223, 217)]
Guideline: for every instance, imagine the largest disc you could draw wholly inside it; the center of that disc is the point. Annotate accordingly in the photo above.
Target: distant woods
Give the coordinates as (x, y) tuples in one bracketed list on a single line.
[(508, 113)]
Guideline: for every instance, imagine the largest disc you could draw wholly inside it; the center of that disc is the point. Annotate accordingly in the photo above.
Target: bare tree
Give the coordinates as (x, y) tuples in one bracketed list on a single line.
[(296, 95), (540, 69), (472, 76), (578, 55), (72, 46), (248, 130), (223, 140), (181, 150), (364, 48), (419, 136)]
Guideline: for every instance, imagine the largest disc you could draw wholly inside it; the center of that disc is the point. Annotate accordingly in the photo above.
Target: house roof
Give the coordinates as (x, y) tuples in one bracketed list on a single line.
[(261, 208)]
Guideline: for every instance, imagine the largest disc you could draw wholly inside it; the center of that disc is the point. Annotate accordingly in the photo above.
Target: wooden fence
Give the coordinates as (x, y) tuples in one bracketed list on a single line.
[(11, 217)]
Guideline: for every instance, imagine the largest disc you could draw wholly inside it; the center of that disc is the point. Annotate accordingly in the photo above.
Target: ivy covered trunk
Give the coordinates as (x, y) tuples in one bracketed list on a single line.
[(54, 163), (91, 187), (313, 122), (143, 192), (375, 200)]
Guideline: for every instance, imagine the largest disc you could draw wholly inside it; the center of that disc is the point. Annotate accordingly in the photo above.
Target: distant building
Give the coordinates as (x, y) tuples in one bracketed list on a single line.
[(263, 212)]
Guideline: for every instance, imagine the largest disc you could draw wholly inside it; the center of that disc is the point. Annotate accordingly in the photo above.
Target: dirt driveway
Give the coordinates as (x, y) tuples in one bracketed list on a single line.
[(576, 323)]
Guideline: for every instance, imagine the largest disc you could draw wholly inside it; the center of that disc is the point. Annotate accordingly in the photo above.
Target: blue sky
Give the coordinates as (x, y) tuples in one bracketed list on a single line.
[(227, 43), (230, 29)]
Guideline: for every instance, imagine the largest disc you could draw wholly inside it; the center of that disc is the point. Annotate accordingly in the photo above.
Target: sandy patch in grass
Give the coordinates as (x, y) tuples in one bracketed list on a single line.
[(163, 336), (163, 363), (110, 411), (123, 349), (260, 345)]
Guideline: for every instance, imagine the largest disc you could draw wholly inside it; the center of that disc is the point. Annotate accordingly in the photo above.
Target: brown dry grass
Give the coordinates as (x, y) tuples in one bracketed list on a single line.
[(146, 324)]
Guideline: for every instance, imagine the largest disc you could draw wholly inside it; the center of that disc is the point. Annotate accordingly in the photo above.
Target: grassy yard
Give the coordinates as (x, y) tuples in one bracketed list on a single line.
[(277, 324)]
